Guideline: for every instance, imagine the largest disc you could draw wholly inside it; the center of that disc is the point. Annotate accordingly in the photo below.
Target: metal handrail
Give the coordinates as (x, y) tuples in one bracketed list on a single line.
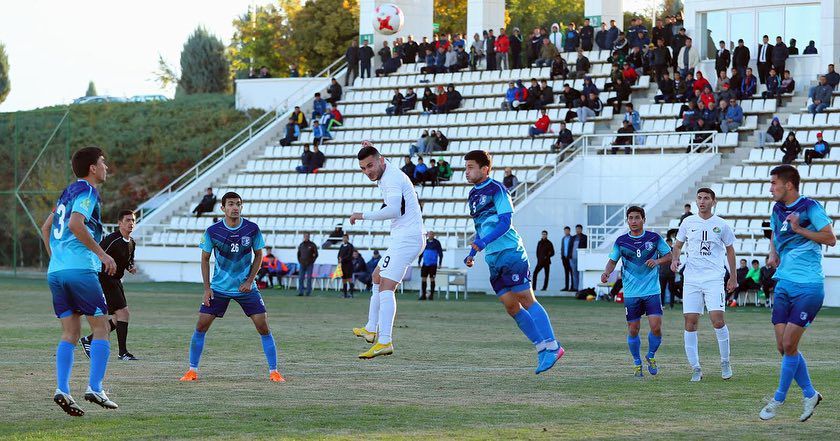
[(547, 171)]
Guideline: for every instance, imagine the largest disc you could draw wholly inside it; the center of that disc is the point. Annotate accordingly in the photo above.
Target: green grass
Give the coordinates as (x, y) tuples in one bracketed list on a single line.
[(461, 370)]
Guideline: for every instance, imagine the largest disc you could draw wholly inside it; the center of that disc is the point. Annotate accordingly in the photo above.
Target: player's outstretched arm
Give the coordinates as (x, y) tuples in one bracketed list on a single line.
[(78, 228), (390, 210), (205, 276), (255, 267), (45, 232)]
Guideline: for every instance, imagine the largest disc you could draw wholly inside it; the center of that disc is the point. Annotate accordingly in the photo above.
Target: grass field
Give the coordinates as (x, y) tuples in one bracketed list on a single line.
[(461, 370)]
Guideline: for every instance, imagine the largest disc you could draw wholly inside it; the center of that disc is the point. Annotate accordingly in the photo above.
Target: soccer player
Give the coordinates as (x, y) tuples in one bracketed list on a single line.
[(510, 274), (233, 240), (430, 260), (709, 240), (71, 234), (406, 243), (120, 246), (642, 252), (800, 227)]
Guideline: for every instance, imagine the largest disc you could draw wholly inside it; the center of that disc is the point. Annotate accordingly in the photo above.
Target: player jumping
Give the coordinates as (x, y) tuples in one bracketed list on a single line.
[(406, 243), (71, 234), (708, 237), (233, 240), (800, 227), (642, 252), (510, 274)]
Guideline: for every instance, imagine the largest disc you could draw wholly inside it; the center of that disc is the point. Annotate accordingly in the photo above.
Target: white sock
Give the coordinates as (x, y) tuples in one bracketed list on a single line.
[(373, 309), (387, 310), (691, 348), (723, 342)]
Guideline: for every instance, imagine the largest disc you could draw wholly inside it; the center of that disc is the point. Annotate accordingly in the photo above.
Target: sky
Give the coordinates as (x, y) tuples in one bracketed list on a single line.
[(56, 47)]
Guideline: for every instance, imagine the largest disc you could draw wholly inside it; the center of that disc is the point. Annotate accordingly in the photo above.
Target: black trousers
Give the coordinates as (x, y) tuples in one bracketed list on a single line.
[(352, 69), (671, 284), (567, 273), (763, 71), (541, 266)]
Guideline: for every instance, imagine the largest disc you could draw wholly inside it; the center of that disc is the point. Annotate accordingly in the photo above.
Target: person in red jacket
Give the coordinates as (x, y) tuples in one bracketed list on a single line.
[(543, 125), (502, 47), (700, 83), (630, 75), (440, 102)]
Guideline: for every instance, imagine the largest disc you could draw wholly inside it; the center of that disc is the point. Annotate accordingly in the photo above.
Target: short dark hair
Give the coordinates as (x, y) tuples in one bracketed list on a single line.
[(481, 157), (636, 209), (707, 190), (544, 231), (367, 151), (687, 206), (754, 261), (567, 228), (83, 159), (124, 213), (787, 173), (230, 195), (579, 226)]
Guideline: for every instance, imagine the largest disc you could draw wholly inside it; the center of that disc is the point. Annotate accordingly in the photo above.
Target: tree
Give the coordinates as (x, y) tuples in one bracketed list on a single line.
[(204, 68), (263, 37), (451, 15), (91, 91), (5, 84), (322, 30), (528, 14)]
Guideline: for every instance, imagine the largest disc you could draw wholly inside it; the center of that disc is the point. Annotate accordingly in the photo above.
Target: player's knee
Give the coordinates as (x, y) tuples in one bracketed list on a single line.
[(263, 329), (633, 329), (690, 326), (789, 347), (202, 327), (512, 308), (718, 323), (781, 348)]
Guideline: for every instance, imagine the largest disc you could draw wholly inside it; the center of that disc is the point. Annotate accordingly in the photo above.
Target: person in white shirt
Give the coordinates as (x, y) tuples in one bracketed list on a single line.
[(407, 242), (709, 239)]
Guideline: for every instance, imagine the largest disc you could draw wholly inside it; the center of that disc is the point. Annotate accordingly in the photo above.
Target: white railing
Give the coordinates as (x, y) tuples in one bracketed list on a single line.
[(595, 232), (303, 92), (598, 144)]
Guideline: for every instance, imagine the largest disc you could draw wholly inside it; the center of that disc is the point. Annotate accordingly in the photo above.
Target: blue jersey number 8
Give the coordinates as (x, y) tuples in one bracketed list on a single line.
[(60, 211)]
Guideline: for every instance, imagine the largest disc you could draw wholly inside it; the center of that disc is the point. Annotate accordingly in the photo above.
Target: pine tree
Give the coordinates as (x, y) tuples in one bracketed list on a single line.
[(5, 84), (91, 91), (204, 68)]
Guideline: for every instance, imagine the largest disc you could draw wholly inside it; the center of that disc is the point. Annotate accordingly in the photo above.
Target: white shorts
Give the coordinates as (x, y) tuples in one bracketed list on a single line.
[(696, 295), (402, 253)]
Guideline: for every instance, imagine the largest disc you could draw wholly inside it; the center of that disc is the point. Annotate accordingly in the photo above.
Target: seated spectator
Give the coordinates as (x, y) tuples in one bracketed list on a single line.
[(547, 53), (589, 87), (820, 150), (721, 80), (631, 115), (727, 93), (774, 133), (431, 173), (441, 141), (699, 138), (510, 102), (268, 267), (541, 126), (360, 270), (711, 116), (396, 104), (700, 83), (430, 59), (318, 159), (319, 134), (686, 91), (207, 204), (510, 181), (440, 99), (421, 146), (629, 74), (622, 94), (564, 138), (335, 237), (733, 117), (788, 84), (748, 85), (625, 138), (444, 170), (374, 261), (689, 117), (706, 96), (533, 100), (429, 100), (832, 77), (570, 97), (635, 61), (292, 133), (790, 148), (811, 49), (582, 65), (335, 92), (462, 59), (421, 172), (735, 80), (589, 109), (768, 284), (453, 100), (409, 101), (546, 94), (774, 85), (389, 66), (408, 168), (305, 161), (299, 118), (319, 107), (821, 97), (747, 279), (667, 89), (559, 68)]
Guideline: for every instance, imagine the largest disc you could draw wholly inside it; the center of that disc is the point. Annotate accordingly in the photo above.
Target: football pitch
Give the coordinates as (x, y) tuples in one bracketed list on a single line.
[(461, 369)]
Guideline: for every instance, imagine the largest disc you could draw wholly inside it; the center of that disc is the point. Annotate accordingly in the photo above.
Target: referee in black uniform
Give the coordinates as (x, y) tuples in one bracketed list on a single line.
[(120, 246)]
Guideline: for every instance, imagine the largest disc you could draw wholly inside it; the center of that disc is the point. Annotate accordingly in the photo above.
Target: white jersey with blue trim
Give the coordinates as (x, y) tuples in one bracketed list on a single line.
[(394, 182)]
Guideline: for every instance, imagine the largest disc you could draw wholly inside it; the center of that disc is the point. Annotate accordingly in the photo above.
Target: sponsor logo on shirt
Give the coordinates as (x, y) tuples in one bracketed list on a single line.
[(705, 245)]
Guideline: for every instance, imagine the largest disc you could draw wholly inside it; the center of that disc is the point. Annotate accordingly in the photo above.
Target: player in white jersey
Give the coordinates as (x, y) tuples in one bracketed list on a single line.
[(709, 240), (406, 244)]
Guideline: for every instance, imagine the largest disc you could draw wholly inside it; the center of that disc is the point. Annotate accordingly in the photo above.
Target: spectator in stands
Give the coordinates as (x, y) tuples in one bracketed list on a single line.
[(345, 263), (516, 49), (630, 75), (510, 102), (510, 181), (732, 118), (430, 60), (572, 38), (440, 99), (389, 66), (319, 134), (408, 168), (396, 104), (589, 87), (307, 254), (765, 58), (421, 146), (591, 108), (293, 71), (726, 93), (622, 94), (570, 97), (735, 80), (319, 107), (384, 53), (564, 138), (411, 50), (720, 81), (811, 49), (533, 47), (533, 100), (462, 59), (374, 260), (621, 45), (624, 138), (502, 48), (711, 115), (689, 116), (421, 170), (409, 101), (451, 60), (667, 89), (299, 118), (360, 271), (601, 37), (305, 160), (722, 58), (792, 49), (453, 100), (677, 43), (547, 53), (264, 73), (476, 51), (700, 83), (541, 126), (661, 59), (444, 170), (365, 57), (335, 92), (429, 100), (318, 159), (632, 116), (441, 141), (741, 58), (788, 84), (582, 65), (207, 204), (557, 36), (820, 150), (699, 138), (268, 267), (832, 78), (765, 279), (612, 35), (546, 94), (706, 97), (780, 55), (749, 85), (334, 237), (292, 132), (688, 58), (790, 148), (686, 213), (587, 35), (774, 133), (685, 88), (490, 49), (822, 96), (774, 85)]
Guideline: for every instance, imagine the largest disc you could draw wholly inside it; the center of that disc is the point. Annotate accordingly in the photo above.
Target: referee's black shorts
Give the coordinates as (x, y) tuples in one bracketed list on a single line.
[(347, 269), (428, 270), (114, 293)]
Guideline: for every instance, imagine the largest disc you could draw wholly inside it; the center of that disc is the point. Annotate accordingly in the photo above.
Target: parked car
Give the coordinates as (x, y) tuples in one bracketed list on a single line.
[(148, 98)]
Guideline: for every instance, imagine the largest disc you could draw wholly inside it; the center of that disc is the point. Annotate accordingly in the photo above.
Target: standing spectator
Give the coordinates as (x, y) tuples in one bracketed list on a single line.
[(547, 53), (677, 44), (632, 116), (293, 71), (587, 35), (659, 31), (490, 50), (360, 271), (765, 58), (612, 35), (335, 92), (790, 148), (396, 104), (792, 49), (557, 36), (318, 159), (686, 213), (319, 107), (534, 46), (510, 181), (207, 204), (572, 40), (516, 49), (264, 73), (305, 161), (601, 37), (408, 168), (345, 261), (732, 118), (365, 57), (410, 51), (741, 58), (476, 51), (566, 253), (625, 138), (541, 126), (774, 133), (429, 100), (351, 55), (661, 59), (307, 254), (821, 97), (780, 55), (688, 58), (384, 52), (564, 138), (545, 251), (579, 243), (502, 48), (820, 150), (749, 85), (811, 49), (667, 280), (722, 58), (429, 261), (444, 170)]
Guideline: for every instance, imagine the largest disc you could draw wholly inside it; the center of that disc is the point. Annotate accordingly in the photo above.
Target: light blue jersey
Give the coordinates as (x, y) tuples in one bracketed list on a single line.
[(66, 251), (233, 248), (800, 258), (637, 278), (488, 200)]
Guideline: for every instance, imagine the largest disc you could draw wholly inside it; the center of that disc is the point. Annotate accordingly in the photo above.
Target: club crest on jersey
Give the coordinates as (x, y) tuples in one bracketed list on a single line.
[(515, 277), (716, 229), (648, 246), (86, 204), (246, 241)]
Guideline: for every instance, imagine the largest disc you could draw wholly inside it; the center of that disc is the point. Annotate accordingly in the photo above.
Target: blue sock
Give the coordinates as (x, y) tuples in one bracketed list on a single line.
[(789, 366), (63, 365), (653, 344), (100, 350), (542, 322), (527, 325), (803, 379), (196, 346), (270, 351), (635, 344)]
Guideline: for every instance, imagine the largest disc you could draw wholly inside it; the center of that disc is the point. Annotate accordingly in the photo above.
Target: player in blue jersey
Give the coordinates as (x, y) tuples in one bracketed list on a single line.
[(238, 246), (641, 252), (71, 234), (491, 210), (800, 227)]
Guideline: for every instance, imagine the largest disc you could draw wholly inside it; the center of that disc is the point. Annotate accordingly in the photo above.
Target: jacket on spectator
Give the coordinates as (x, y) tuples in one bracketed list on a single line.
[(741, 57), (722, 60), (823, 93), (693, 58), (502, 44), (735, 113), (548, 51), (543, 123), (780, 54), (748, 85)]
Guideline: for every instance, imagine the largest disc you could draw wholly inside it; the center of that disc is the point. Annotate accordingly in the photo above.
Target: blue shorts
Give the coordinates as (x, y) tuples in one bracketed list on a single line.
[(251, 303), (797, 303), (77, 291), (636, 307), (509, 271)]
